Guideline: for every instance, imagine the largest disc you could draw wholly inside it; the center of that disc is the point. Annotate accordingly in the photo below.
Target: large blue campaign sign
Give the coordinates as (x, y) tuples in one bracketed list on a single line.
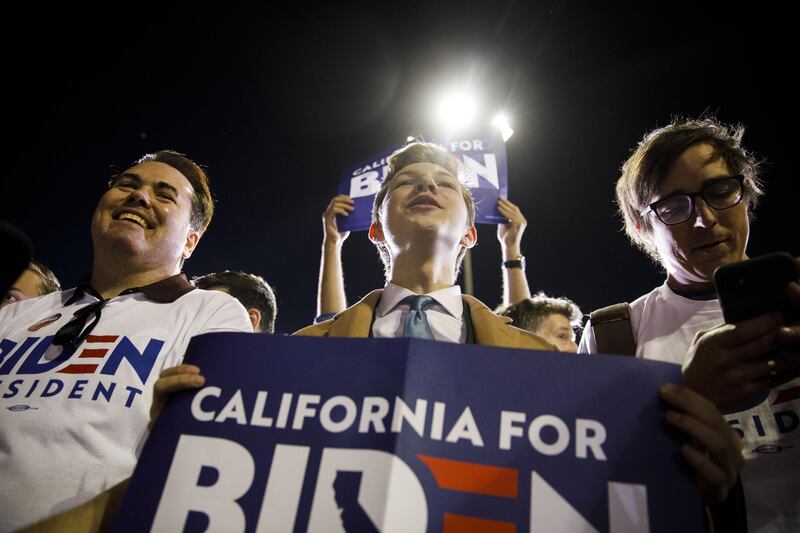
[(485, 173), (407, 435)]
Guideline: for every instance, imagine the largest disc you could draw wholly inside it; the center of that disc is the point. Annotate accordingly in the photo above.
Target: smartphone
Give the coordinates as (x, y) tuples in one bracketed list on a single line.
[(755, 287)]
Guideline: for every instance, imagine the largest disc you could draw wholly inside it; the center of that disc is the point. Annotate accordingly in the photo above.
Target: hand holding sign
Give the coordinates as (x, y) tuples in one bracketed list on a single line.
[(715, 452), (172, 380), (341, 205), (510, 233)]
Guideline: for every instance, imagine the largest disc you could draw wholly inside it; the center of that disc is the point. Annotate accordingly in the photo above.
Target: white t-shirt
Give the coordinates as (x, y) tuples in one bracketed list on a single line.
[(445, 317), (71, 428), (664, 325)]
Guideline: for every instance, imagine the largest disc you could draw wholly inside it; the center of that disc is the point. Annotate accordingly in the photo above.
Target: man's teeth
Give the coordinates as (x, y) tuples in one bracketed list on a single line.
[(136, 218)]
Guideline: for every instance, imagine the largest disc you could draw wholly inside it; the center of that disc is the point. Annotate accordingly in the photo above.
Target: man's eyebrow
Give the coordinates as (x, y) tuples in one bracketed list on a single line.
[(138, 179), (704, 184), (416, 173), (165, 185), (130, 175), (412, 173)]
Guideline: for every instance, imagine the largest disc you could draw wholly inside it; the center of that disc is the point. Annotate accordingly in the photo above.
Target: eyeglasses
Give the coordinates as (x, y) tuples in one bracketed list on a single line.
[(720, 195)]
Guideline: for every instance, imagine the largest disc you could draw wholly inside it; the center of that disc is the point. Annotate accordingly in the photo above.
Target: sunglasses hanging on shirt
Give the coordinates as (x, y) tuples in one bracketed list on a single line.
[(74, 332)]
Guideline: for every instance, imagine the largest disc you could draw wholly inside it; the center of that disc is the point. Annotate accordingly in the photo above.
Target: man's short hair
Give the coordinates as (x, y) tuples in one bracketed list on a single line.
[(251, 291), (645, 169), (530, 313), (203, 200), (48, 282), (421, 152)]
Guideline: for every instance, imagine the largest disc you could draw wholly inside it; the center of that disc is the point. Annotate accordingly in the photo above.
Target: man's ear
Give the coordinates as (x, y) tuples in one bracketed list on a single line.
[(376, 232), (255, 318), (192, 238), (470, 238)]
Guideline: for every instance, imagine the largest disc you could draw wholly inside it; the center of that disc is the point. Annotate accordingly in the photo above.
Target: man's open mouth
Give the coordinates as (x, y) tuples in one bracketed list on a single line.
[(424, 200), (133, 217)]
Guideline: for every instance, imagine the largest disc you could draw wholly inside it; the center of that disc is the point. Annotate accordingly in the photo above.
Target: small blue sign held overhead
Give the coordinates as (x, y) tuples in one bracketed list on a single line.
[(484, 170)]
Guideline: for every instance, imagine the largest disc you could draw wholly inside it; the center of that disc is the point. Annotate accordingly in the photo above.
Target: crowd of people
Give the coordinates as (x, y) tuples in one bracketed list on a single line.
[(686, 195)]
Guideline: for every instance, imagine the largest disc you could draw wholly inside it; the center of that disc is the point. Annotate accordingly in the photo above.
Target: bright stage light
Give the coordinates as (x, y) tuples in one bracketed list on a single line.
[(457, 110), (501, 122)]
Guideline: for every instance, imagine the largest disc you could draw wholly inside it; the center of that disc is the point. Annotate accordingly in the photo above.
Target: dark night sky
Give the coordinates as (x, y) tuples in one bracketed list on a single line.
[(277, 102)]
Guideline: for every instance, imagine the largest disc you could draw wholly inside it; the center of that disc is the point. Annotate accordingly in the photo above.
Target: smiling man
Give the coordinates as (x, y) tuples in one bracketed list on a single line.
[(687, 194), (77, 367)]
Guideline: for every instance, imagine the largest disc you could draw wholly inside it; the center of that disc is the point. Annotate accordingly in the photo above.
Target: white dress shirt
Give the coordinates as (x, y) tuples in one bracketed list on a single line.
[(445, 316)]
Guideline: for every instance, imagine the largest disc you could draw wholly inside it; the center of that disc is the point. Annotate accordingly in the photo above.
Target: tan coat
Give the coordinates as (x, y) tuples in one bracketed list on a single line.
[(489, 329)]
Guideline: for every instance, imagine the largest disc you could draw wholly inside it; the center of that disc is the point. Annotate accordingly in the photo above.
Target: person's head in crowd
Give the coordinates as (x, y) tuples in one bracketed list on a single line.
[(422, 202), (687, 194), (17, 249), (252, 291), (153, 214), (553, 319), (202, 200), (36, 280)]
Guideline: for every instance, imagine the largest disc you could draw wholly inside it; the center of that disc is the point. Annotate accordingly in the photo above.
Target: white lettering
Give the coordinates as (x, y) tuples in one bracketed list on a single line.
[(465, 428), (197, 409), (365, 184), (283, 410), (535, 435), (551, 512), (235, 469), (373, 410), (349, 416), (589, 434), (304, 409), (473, 169), (416, 418), (258, 418), (627, 508), (508, 429), (389, 492), (284, 485), (233, 409), (437, 421), (466, 145)]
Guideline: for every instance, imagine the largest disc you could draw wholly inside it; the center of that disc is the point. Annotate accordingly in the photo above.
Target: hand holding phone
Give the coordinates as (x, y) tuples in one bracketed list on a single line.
[(736, 364), (757, 286)]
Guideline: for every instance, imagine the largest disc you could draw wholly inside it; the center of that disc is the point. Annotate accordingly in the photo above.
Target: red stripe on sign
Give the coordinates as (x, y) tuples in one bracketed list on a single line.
[(78, 369), (472, 477), (467, 524), (787, 395), (93, 353), (102, 338)]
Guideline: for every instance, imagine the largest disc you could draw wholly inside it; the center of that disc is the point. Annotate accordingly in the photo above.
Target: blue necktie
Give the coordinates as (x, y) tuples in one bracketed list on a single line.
[(416, 323)]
